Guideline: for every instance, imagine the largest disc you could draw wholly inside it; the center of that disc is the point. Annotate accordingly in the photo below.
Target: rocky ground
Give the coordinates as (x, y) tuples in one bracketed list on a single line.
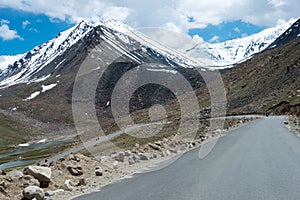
[(77, 174), (294, 124)]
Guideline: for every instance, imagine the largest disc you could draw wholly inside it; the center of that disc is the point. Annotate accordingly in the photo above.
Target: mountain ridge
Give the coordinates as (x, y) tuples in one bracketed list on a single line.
[(240, 49)]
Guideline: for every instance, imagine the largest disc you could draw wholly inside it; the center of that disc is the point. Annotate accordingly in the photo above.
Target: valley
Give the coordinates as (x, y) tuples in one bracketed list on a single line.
[(59, 98)]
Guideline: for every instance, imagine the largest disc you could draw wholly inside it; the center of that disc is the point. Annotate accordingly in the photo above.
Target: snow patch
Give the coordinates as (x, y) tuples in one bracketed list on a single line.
[(41, 141), (23, 145), (33, 95), (48, 87), (163, 70)]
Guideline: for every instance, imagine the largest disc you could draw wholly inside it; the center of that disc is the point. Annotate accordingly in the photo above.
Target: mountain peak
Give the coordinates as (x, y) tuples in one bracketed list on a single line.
[(240, 49)]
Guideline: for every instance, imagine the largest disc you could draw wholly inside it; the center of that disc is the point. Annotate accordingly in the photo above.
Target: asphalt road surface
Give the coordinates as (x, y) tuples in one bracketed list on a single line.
[(258, 161)]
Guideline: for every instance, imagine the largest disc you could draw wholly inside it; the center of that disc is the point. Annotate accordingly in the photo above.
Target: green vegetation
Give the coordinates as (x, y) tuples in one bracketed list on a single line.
[(12, 132)]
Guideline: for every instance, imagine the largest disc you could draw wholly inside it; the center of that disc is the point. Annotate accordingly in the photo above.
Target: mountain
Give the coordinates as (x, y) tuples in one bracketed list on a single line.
[(267, 82), (49, 58), (237, 50), (290, 34), (7, 60)]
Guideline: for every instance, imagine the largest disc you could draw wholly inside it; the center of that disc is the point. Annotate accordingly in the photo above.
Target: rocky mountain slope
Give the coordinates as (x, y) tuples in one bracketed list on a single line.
[(268, 82), (40, 83)]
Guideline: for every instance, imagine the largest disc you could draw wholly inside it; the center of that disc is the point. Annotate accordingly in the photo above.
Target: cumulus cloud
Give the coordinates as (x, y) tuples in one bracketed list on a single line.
[(161, 13), (214, 39), (174, 15), (6, 33)]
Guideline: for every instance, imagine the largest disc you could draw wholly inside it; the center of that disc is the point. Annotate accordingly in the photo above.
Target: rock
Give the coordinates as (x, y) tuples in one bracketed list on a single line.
[(168, 152), (2, 190), (29, 180), (154, 156), (173, 150), (75, 170), (68, 185), (52, 193), (16, 174), (60, 173), (103, 159), (131, 161), (143, 157), (3, 173), (137, 145), (119, 156), (81, 182), (98, 171), (33, 192), (42, 174), (116, 165), (127, 153), (74, 158), (154, 147), (136, 158), (159, 143)]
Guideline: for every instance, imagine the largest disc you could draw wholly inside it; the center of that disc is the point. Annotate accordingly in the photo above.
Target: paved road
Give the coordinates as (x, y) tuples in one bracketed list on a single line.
[(258, 161)]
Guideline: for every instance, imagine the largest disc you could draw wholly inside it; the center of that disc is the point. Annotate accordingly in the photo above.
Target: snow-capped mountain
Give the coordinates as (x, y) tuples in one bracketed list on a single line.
[(51, 57), (45, 60), (234, 51), (290, 34), (7, 60), (27, 65)]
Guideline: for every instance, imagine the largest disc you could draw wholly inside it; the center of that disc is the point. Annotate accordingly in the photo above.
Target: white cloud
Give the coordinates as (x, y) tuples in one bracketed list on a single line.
[(276, 3), (25, 24), (7, 34), (4, 21), (214, 39), (236, 29), (174, 15), (244, 35)]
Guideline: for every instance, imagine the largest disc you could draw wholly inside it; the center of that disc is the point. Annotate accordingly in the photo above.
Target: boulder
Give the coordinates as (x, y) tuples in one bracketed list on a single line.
[(173, 150), (42, 174), (75, 170), (136, 158), (143, 157), (116, 165), (16, 174), (127, 153), (68, 185), (154, 147), (131, 161), (33, 192), (81, 182), (119, 156), (74, 158), (28, 180), (103, 159), (168, 153), (98, 171)]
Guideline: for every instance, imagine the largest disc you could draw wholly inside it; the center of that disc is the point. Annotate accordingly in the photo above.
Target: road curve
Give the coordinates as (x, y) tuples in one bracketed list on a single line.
[(258, 161)]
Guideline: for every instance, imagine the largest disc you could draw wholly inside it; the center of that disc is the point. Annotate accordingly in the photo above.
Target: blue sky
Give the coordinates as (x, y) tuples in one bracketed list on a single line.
[(25, 24), (33, 30)]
